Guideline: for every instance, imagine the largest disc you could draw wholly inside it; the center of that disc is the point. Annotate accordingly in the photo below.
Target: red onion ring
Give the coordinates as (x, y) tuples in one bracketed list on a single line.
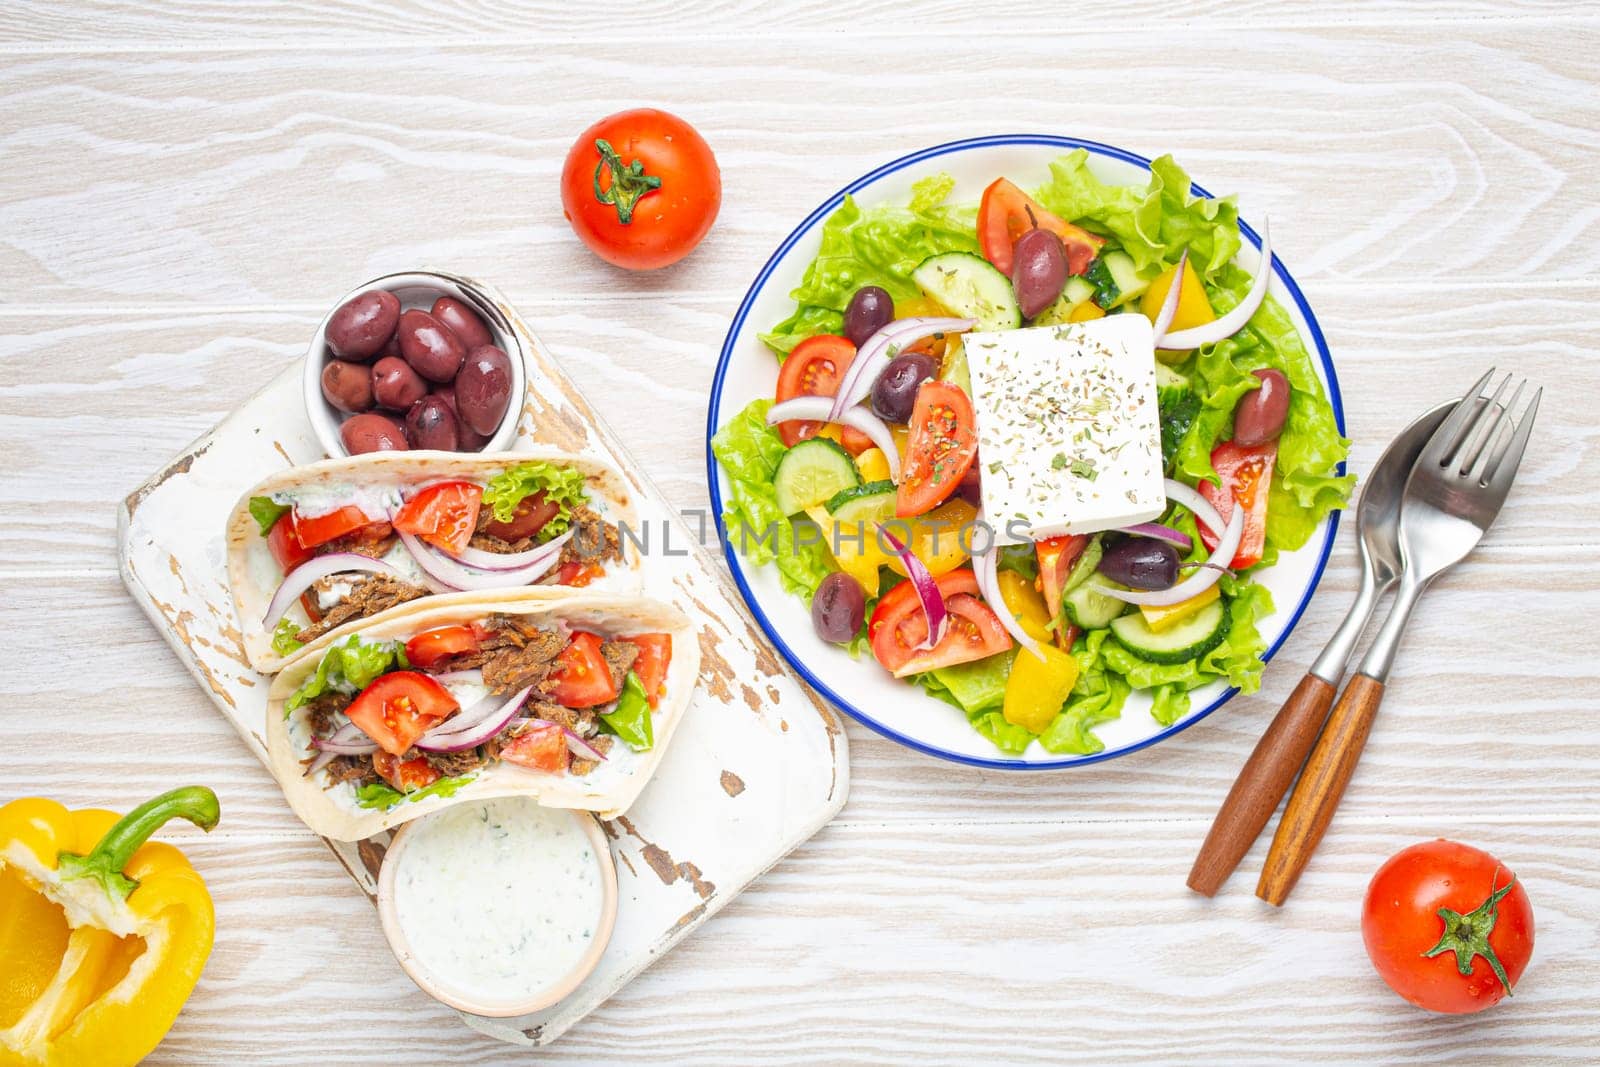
[(347, 740), (472, 734), (986, 568), (1169, 306), (579, 747), (1206, 576), (1233, 321), (817, 408), (866, 367), (297, 581), (1176, 538), (500, 561), (927, 590), (447, 571)]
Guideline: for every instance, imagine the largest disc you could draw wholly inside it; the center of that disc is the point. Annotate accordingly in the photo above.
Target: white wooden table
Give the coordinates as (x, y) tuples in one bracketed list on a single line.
[(187, 185)]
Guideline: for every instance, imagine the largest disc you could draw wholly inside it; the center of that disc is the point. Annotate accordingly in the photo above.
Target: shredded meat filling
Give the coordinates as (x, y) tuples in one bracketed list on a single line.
[(367, 597), (593, 539), (619, 657)]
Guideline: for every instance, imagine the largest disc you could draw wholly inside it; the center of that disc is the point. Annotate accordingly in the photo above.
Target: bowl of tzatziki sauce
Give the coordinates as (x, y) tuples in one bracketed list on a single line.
[(499, 907)]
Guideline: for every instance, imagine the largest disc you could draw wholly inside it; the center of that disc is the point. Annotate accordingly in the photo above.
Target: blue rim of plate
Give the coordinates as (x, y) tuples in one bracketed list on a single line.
[(736, 567)]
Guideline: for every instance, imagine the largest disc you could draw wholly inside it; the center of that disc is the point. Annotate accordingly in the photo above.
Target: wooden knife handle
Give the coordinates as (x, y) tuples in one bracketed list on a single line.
[(1266, 776), (1322, 784)]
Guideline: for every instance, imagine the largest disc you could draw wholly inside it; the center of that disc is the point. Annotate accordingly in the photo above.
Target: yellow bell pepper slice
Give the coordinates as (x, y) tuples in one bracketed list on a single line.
[(1038, 688), (857, 552), (1163, 618), (938, 536), (1085, 312), (873, 465), (1194, 309), (1026, 604), (104, 933)]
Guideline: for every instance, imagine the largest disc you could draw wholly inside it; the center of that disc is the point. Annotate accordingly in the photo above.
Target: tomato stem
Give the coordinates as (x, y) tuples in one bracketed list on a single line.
[(628, 182), (1468, 935)]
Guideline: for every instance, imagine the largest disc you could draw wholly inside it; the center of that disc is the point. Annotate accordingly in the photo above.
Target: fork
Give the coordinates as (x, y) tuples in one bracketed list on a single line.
[(1453, 495)]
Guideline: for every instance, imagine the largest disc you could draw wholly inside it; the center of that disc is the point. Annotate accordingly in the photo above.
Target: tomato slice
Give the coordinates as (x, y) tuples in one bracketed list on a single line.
[(443, 514), (405, 775), (284, 543), (581, 678), (527, 520), (943, 441), (655, 654), (320, 529), (542, 747), (1004, 215), (814, 368), (899, 625), (398, 708), (1246, 475), (1056, 558), (440, 643)]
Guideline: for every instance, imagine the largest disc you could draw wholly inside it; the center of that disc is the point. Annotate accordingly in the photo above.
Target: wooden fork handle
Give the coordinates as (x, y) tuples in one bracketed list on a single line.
[(1266, 776), (1322, 784)]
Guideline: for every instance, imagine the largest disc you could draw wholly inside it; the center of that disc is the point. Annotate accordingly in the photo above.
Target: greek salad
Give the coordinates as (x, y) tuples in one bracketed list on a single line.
[(1028, 454)]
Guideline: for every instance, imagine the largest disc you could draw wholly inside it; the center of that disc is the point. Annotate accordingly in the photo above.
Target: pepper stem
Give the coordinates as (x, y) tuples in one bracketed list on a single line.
[(628, 183), (106, 860), (1468, 935)]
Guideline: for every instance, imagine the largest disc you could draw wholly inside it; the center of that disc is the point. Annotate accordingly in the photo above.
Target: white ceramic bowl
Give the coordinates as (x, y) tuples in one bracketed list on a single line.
[(416, 289), (747, 370), (554, 991)]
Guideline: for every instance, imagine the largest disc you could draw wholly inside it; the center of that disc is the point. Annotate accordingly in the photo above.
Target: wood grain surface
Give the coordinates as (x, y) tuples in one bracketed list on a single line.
[(187, 185)]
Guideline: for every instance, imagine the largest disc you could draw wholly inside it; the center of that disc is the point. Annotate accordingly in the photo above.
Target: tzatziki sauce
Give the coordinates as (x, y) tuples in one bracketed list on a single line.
[(499, 899)]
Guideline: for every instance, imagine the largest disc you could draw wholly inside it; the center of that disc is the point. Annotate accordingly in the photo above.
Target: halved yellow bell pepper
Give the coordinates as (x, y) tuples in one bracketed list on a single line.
[(1038, 688), (1026, 604), (938, 537), (103, 933), (1194, 309), (1159, 619)]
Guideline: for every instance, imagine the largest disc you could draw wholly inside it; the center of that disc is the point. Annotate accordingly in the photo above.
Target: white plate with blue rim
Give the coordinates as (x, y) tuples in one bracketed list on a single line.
[(746, 371)]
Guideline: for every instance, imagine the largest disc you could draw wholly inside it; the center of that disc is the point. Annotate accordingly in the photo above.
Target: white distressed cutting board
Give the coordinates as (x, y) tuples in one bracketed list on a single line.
[(759, 765)]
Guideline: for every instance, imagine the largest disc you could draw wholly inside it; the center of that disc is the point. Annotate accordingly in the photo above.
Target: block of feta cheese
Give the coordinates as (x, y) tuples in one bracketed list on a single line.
[(1069, 441)]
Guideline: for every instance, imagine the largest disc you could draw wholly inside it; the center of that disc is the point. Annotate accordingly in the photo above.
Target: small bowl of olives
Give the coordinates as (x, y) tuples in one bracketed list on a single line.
[(415, 361)]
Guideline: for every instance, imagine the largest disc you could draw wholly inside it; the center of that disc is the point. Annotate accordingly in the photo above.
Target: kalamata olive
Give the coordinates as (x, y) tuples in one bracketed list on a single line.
[(462, 321), (361, 325), (347, 386), (870, 310), (372, 432), (1141, 563), (970, 488), (470, 441), (432, 424), (1038, 271), (395, 385), (429, 346), (838, 608), (483, 389), (894, 394), (1259, 416)]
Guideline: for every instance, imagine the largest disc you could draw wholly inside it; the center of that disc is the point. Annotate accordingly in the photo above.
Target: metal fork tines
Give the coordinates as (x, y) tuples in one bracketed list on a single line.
[(1454, 492)]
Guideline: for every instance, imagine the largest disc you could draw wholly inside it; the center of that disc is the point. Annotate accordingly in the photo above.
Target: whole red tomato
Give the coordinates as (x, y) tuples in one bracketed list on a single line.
[(641, 188), (1448, 926)]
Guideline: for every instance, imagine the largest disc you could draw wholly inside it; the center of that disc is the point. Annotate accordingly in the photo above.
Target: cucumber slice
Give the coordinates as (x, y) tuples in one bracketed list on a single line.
[(812, 472), (970, 286), (1129, 284), (1167, 378), (1076, 292), (1184, 641), (872, 493), (1089, 609)]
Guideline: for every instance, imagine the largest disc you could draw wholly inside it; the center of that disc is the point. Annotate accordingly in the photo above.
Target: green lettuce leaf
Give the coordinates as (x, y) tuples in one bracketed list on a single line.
[(266, 511), (877, 247), (749, 450), (630, 719), (1171, 703), (383, 796), (979, 690), (560, 485), (349, 667), (284, 641), (1097, 697)]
